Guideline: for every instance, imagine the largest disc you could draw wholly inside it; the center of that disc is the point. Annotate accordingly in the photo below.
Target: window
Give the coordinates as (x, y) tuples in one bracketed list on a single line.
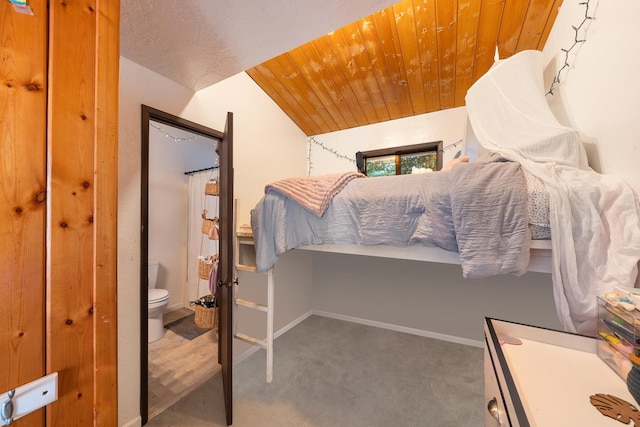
[(400, 160)]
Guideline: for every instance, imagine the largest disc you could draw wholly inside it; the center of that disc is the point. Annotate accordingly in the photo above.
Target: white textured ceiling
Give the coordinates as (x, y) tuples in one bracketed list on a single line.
[(200, 42)]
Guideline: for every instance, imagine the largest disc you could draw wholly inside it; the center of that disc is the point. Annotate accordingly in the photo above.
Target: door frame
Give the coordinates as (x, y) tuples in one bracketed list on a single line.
[(148, 114)]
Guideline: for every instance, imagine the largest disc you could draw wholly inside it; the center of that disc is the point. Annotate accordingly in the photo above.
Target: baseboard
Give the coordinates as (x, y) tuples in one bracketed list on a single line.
[(276, 334), (175, 307), (292, 324), (136, 422), (239, 358), (398, 328)]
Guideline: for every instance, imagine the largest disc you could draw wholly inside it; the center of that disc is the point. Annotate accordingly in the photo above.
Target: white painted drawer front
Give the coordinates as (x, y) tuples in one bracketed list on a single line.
[(549, 378), (494, 408)]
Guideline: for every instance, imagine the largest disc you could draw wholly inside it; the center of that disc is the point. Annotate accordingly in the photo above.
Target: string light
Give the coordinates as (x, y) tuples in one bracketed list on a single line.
[(168, 135), (309, 158), (556, 79), (455, 144), (576, 42), (312, 140)]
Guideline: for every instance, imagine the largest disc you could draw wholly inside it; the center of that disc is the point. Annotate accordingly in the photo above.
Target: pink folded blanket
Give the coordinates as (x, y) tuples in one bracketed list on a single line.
[(314, 193)]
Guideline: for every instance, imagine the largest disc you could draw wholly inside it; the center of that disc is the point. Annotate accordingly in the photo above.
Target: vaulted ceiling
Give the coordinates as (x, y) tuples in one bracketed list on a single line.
[(402, 59), (198, 43), (411, 58)]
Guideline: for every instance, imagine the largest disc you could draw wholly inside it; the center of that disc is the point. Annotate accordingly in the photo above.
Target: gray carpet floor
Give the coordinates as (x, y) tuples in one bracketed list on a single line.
[(330, 373)]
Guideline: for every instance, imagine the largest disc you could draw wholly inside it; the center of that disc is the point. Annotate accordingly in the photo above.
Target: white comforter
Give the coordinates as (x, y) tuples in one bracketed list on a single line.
[(595, 219), (477, 209)]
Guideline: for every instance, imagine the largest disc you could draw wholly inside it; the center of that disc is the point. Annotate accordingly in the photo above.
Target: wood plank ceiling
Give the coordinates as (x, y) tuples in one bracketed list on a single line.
[(415, 57)]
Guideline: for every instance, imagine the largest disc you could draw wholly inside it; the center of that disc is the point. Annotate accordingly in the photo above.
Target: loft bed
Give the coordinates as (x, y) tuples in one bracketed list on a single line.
[(476, 214), (539, 257), (594, 219)]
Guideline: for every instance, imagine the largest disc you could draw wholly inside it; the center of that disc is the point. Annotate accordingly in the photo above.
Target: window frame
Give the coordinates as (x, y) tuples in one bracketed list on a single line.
[(363, 156)]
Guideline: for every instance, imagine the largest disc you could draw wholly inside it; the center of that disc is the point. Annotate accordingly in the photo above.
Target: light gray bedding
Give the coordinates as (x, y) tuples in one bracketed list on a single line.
[(477, 209)]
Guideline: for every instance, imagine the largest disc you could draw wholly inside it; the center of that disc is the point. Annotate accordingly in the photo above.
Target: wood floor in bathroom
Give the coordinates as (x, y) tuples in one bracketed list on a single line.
[(177, 366)]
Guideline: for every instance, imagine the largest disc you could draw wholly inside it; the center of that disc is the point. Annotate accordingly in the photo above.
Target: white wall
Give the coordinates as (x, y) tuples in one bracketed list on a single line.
[(267, 146), (138, 86), (446, 126), (433, 298), (430, 297), (598, 94)]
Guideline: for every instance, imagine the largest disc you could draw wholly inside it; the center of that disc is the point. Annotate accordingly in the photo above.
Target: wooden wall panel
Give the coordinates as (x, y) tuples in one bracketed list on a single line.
[(105, 388), (82, 136), (23, 89), (71, 209)]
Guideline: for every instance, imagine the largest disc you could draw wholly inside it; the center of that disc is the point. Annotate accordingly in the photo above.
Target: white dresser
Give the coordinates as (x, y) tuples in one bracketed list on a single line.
[(547, 380)]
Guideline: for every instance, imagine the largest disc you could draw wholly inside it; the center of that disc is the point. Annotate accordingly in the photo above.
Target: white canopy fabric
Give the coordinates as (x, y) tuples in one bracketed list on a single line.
[(595, 219)]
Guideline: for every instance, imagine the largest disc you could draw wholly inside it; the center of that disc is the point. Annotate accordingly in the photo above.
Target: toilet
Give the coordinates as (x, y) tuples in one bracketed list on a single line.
[(157, 300)]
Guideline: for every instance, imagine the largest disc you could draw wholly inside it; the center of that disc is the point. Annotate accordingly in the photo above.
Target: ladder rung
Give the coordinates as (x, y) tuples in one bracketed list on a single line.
[(251, 304), (251, 340)]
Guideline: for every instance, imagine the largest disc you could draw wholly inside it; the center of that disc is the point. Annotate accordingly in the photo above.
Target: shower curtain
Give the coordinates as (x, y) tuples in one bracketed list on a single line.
[(197, 243)]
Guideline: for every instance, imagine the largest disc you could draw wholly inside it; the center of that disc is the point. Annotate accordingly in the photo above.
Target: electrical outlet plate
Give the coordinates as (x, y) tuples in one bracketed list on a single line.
[(32, 396)]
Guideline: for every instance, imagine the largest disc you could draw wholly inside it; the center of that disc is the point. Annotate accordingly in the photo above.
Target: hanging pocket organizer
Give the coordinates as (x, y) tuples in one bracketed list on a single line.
[(210, 226)]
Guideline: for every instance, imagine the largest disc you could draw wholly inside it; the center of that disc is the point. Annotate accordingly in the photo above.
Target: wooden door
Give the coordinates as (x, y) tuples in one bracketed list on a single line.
[(23, 127), (225, 345), (58, 199)]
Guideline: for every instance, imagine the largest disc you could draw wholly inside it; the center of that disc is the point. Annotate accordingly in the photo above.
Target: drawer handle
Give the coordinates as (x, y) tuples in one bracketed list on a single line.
[(492, 407)]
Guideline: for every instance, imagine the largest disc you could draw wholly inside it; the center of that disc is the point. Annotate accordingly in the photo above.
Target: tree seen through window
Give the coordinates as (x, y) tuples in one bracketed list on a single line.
[(400, 160)]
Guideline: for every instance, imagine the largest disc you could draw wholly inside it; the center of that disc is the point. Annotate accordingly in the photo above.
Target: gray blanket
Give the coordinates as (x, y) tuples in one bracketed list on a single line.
[(477, 209)]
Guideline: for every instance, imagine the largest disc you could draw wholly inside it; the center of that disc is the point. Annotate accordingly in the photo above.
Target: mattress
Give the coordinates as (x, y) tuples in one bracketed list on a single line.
[(479, 211), (537, 207)]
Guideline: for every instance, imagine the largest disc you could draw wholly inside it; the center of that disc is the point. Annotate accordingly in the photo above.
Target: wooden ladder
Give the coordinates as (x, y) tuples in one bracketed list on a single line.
[(245, 260), (266, 343)]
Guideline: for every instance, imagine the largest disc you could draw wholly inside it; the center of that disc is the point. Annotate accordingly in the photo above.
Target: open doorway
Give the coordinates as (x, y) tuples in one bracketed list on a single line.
[(174, 361)]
